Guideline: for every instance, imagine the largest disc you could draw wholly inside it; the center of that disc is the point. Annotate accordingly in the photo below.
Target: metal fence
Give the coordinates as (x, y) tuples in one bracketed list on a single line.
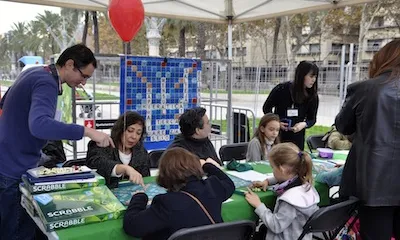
[(245, 93)]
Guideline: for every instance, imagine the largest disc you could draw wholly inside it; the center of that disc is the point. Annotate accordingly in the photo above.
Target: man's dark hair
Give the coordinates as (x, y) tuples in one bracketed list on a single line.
[(80, 54), (190, 120)]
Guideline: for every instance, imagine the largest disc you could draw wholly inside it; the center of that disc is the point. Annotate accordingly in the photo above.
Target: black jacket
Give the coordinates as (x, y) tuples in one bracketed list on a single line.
[(175, 210), (203, 148), (104, 160), (372, 111), (281, 100)]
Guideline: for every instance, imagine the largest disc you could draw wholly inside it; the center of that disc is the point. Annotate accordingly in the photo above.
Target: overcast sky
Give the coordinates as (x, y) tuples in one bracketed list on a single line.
[(19, 12)]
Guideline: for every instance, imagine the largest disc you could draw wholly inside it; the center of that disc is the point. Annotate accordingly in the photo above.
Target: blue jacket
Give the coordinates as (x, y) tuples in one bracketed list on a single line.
[(175, 210), (27, 122)]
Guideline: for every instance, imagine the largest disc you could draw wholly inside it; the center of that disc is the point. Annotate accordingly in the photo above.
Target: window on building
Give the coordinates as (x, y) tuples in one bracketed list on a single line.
[(241, 52), (336, 47), (374, 44), (315, 48), (190, 54), (379, 21)]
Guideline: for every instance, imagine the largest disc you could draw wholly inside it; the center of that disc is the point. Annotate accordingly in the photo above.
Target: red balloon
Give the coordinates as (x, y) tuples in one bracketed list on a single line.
[(126, 17)]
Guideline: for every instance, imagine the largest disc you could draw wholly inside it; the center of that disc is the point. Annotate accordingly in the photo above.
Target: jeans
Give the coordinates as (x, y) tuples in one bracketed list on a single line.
[(15, 223), (331, 178)]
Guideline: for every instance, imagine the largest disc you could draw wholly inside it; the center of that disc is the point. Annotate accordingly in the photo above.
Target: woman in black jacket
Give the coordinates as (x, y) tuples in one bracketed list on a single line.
[(296, 103), (372, 112), (180, 172), (129, 159)]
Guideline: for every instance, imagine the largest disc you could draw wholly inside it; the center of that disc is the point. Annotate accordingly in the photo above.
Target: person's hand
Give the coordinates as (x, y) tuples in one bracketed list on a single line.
[(212, 161), (252, 198), (134, 176), (284, 126), (101, 139), (299, 126), (202, 161), (258, 184)]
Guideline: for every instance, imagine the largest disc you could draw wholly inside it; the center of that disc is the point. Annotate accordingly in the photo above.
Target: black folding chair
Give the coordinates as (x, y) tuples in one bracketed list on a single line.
[(239, 230), (331, 219), (233, 151), (75, 162), (315, 141), (155, 156)]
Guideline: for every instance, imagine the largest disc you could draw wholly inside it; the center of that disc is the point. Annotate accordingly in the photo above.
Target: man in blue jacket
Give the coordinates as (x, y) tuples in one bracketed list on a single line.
[(27, 123)]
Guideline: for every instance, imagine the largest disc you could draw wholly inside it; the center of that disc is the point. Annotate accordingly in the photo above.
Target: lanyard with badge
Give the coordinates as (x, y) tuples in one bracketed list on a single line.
[(53, 71), (292, 111)]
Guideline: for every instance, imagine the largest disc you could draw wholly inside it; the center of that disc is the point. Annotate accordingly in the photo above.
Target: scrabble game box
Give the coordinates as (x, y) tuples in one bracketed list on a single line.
[(77, 207), (35, 188)]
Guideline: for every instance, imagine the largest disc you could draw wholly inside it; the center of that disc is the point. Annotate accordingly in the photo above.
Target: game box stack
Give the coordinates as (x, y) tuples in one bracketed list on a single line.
[(67, 197)]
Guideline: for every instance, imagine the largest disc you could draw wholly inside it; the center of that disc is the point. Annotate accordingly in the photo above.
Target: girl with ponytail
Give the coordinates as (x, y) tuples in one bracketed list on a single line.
[(296, 200)]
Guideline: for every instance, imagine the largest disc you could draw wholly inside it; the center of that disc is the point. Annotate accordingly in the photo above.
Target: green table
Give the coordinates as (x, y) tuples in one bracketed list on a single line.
[(238, 209)]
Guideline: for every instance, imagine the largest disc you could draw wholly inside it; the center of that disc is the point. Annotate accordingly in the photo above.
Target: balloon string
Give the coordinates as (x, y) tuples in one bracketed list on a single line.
[(125, 95)]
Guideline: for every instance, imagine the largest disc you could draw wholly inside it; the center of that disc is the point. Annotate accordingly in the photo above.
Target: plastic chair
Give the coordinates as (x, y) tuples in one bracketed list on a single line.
[(315, 141), (331, 219), (155, 156), (233, 151), (239, 230), (75, 162)]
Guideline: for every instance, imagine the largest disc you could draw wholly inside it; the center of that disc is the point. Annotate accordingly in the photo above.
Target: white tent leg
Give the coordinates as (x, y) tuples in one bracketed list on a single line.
[(230, 39)]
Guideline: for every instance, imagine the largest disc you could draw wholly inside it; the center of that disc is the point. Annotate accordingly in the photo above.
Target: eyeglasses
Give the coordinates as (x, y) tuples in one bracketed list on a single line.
[(83, 75)]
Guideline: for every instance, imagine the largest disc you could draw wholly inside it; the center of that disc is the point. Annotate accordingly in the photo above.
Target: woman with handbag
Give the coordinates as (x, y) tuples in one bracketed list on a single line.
[(190, 201)]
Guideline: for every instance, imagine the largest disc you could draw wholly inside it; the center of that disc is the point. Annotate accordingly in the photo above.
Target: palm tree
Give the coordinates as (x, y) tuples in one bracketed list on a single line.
[(34, 39), (50, 30), (183, 27), (85, 27), (17, 39), (96, 33)]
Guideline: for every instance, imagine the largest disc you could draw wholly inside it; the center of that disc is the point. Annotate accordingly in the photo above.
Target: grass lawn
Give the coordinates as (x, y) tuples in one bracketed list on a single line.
[(6, 83), (316, 129), (98, 96)]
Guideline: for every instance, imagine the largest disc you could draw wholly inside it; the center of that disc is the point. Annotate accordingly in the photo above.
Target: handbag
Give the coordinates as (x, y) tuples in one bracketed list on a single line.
[(201, 205)]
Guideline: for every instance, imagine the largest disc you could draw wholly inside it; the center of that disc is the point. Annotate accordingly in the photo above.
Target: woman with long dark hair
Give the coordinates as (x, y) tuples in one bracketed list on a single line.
[(371, 112), (296, 103), (129, 159)]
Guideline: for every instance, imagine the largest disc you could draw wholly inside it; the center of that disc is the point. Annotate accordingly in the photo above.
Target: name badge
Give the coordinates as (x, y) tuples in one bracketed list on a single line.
[(292, 112)]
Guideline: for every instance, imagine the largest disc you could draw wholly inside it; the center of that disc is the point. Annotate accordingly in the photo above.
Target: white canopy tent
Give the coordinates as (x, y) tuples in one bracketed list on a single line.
[(218, 11)]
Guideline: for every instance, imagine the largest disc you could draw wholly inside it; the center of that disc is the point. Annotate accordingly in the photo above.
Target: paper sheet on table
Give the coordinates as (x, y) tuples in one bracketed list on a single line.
[(250, 175), (228, 200), (341, 152)]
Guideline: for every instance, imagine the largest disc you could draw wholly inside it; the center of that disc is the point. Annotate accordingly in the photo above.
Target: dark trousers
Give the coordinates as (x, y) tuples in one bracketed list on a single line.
[(379, 223), (15, 223)]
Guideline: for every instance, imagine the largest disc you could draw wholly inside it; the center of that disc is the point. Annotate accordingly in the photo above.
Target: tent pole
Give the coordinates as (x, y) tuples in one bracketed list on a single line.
[(230, 39)]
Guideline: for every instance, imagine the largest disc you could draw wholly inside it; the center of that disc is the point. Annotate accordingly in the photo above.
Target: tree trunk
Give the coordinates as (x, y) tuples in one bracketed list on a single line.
[(201, 41), (96, 33), (365, 24), (290, 51), (182, 40), (85, 27), (128, 48), (278, 23)]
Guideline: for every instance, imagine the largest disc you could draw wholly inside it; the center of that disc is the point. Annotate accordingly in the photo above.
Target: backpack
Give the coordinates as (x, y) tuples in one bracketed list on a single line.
[(325, 138), (352, 233)]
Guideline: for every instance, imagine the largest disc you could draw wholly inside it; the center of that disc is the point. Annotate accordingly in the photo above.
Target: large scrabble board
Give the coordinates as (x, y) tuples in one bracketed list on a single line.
[(160, 89), (125, 191)]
